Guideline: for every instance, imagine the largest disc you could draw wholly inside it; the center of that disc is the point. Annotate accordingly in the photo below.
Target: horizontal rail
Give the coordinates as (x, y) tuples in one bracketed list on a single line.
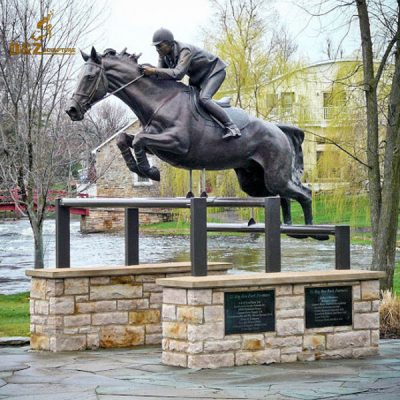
[(285, 229), (271, 228), (157, 203), (125, 203)]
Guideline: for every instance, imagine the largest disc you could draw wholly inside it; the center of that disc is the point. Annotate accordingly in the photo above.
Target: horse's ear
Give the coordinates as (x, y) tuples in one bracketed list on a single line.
[(84, 55), (94, 56), (135, 57)]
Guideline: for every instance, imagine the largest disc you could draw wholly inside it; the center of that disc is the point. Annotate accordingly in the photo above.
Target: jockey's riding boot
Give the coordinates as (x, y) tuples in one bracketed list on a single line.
[(231, 131)]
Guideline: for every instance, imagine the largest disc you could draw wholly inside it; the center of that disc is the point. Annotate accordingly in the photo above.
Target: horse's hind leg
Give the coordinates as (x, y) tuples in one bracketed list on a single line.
[(303, 196), (124, 144), (251, 181), (286, 211)]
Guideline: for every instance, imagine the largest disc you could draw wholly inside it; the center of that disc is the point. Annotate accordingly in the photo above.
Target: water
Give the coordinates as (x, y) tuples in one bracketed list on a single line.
[(245, 252)]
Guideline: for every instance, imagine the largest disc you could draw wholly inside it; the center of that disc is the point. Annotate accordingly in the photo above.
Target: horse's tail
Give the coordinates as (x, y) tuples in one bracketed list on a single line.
[(296, 138)]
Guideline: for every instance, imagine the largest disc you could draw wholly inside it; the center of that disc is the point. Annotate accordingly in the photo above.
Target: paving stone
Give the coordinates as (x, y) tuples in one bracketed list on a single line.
[(373, 396), (74, 376), (385, 374), (87, 395), (300, 394)]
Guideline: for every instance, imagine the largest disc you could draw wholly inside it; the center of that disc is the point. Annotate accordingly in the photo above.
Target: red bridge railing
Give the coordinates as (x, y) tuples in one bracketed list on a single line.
[(11, 201)]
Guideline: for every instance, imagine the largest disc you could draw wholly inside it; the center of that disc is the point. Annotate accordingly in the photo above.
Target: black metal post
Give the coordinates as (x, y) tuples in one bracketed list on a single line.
[(63, 242), (198, 235), (342, 247), (131, 236), (272, 235)]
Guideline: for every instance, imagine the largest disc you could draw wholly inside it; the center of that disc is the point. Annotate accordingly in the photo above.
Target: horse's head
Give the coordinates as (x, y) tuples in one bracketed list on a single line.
[(92, 86)]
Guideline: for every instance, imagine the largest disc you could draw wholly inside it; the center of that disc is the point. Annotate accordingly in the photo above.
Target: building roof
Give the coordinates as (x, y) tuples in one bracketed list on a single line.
[(131, 122)]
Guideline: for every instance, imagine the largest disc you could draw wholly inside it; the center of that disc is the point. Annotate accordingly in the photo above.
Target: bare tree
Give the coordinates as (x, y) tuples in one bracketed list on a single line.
[(35, 136), (379, 27), (101, 122), (331, 51)]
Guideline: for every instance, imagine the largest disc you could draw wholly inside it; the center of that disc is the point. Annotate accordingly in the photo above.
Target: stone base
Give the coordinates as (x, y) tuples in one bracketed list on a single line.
[(193, 320), (87, 308)]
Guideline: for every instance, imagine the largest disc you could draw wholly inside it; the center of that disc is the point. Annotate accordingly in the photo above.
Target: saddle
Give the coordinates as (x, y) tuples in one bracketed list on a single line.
[(237, 115)]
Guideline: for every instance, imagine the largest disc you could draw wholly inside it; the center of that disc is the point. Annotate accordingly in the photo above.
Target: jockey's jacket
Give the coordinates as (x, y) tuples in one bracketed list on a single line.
[(186, 59)]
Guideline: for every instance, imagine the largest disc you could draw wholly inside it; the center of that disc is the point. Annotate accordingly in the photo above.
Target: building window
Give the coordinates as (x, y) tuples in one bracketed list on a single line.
[(334, 104), (287, 101)]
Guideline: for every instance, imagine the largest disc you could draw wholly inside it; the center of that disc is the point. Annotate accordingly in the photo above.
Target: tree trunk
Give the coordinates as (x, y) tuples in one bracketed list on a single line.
[(385, 251), (384, 201), (37, 229), (372, 119)]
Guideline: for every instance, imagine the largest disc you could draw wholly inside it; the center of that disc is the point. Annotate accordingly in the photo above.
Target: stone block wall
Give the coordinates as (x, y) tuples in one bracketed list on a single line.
[(113, 220), (194, 330), (89, 308)]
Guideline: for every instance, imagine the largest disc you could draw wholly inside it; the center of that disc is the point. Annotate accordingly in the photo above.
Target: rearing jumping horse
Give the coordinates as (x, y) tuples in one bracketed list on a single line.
[(267, 158)]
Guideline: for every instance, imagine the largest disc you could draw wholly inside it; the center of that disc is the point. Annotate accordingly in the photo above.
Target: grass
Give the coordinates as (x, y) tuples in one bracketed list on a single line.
[(172, 228), (14, 314), (396, 280), (328, 209)]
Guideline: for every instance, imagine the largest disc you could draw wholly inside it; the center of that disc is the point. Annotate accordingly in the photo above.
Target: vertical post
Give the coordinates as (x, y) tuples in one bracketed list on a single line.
[(272, 235), (63, 241), (131, 236), (342, 247), (198, 235)]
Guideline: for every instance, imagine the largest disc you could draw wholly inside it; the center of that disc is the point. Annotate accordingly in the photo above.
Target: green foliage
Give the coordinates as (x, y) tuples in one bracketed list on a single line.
[(14, 314), (248, 35), (396, 280)]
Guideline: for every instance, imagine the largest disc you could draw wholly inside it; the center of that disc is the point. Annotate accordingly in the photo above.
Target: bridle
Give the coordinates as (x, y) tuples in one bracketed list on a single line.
[(101, 77)]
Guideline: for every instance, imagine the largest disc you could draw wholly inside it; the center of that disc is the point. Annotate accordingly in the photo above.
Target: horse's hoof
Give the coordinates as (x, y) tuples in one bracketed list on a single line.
[(292, 235), (189, 195), (204, 194), (135, 170), (319, 237), (251, 222), (153, 173)]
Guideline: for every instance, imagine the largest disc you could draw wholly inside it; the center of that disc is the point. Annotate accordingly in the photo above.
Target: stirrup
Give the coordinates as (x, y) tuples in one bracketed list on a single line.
[(232, 131)]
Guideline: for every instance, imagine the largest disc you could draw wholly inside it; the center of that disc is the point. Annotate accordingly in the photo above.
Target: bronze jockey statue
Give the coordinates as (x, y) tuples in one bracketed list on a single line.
[(205, 70)]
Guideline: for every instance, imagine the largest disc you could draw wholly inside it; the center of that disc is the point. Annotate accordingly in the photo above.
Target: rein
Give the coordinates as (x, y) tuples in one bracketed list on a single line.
[(86, 106), (122, 87)]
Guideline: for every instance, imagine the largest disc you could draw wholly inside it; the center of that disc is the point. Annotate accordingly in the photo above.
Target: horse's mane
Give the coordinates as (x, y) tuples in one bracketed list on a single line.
[(133, 58), (123, 55)]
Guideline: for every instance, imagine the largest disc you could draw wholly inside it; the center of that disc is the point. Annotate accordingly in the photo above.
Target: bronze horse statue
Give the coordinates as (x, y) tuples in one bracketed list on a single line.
[(267, 158)]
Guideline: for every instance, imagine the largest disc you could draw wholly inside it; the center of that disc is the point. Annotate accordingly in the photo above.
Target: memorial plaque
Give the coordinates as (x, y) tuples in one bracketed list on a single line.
[(328, 306), (249, 312)]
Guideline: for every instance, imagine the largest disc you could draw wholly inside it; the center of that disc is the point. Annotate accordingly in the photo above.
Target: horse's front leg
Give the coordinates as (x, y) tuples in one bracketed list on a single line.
[(166, 141), (124, 144), (143, 163)]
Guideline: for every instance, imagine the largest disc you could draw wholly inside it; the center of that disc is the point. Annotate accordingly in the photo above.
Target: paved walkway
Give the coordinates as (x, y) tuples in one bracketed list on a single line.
[(138, 374)]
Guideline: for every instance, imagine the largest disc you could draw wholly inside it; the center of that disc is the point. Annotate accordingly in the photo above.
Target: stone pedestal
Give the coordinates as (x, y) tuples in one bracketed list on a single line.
[(88, 308), (194, 331)]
